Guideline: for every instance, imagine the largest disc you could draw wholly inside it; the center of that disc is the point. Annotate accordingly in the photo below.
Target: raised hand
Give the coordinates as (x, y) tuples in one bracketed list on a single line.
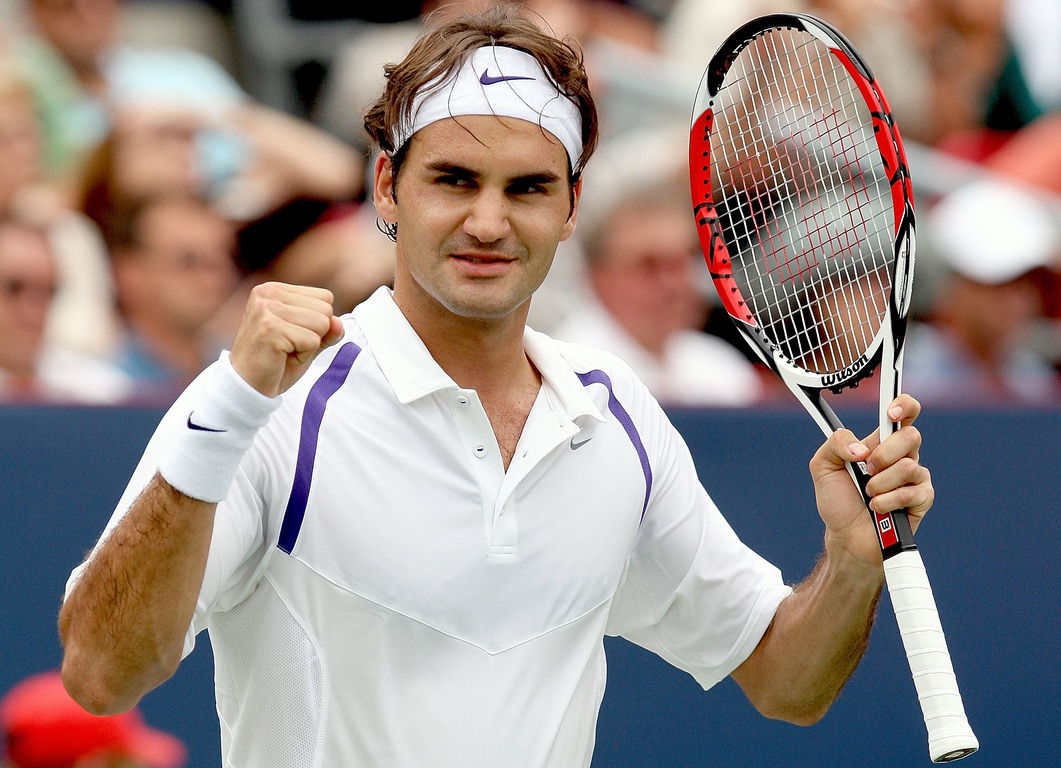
[(284, 327), (897, 481)]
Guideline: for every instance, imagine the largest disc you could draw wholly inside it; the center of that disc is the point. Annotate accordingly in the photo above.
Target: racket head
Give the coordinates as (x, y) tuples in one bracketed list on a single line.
[(802, 199)]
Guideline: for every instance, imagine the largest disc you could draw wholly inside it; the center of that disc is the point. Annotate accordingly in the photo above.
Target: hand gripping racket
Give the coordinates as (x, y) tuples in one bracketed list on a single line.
[(804, 206)]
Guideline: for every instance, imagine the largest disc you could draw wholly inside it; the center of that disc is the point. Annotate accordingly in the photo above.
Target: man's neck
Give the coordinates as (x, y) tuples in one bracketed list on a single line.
[(487, 356), (484, 355)]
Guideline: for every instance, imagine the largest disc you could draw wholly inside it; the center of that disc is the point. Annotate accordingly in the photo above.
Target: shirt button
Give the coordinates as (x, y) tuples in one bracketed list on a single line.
[(462, 400), (480, 451)]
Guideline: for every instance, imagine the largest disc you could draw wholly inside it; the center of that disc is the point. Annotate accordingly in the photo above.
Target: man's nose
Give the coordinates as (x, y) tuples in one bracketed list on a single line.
[(487, 221)]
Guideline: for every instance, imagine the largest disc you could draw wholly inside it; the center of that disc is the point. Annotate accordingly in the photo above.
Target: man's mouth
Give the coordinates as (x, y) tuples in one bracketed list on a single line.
[(475, 258), (483, 265)]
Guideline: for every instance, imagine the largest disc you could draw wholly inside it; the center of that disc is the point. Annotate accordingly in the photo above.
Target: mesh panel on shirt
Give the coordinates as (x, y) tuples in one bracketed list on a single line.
[(275, 675)]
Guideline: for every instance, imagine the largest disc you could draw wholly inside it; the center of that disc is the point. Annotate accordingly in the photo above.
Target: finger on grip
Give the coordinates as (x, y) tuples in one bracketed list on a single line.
[(949, 734)]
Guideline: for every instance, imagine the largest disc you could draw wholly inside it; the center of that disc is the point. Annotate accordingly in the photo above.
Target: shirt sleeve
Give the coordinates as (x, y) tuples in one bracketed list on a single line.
[(237, 548), (693, 593)]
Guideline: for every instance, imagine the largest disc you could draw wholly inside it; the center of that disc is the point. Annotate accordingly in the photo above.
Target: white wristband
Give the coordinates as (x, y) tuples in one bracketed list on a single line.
[(203, 458)]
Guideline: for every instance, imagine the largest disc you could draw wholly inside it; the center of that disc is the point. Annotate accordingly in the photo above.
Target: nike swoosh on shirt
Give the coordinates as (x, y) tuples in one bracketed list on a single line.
[(575, 446), (486, 79), (200, 427)]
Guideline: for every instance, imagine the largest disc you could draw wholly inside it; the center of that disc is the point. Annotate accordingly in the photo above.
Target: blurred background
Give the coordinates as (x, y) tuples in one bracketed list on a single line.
[(160, 157)]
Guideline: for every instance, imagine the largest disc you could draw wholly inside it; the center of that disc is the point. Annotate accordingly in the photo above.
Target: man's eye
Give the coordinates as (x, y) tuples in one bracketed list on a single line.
[(454, 181), (527, 188)]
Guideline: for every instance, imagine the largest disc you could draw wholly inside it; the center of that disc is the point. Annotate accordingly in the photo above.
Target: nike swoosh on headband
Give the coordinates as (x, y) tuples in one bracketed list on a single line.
[(486, 79), (200, 427)]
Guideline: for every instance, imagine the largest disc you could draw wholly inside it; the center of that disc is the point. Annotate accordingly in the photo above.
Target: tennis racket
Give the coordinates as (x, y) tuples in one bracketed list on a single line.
[(804, 207)]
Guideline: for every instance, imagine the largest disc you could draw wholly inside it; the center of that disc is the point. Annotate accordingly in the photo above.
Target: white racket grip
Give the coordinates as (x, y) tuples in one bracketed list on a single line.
[(949, 734)]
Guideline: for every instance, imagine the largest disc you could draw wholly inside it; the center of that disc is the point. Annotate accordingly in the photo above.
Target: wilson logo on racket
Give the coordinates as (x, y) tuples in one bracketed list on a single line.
[(835, 377), (886, 531)]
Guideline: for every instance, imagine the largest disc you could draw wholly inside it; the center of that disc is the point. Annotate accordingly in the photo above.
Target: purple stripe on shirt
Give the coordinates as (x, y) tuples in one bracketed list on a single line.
[(620, 414), (312, 416)]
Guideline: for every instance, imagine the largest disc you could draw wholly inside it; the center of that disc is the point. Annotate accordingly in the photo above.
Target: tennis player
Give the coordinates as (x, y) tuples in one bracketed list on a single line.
[(408, 529)]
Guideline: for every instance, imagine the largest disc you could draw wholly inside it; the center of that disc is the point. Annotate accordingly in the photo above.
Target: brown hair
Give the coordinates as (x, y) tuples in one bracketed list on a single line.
[(440, 52)]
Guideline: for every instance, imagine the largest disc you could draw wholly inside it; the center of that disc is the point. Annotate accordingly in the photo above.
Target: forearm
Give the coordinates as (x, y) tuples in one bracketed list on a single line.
[(815, 641), (300, 157), (820, 632), (123, 625)]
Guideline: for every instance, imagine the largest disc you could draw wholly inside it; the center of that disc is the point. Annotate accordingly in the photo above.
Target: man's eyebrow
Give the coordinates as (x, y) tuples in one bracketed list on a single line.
[(544, 177), (452, 169)]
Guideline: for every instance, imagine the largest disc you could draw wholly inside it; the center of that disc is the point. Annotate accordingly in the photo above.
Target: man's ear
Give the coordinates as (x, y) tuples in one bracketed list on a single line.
[(383, 190), (569, 226)]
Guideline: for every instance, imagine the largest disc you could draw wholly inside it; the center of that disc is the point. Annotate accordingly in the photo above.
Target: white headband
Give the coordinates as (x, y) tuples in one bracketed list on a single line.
[(500, 81)]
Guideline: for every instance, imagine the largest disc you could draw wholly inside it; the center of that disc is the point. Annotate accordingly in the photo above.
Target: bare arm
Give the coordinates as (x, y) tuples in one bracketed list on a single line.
[(814, 643), (124, 622), (820, 632)]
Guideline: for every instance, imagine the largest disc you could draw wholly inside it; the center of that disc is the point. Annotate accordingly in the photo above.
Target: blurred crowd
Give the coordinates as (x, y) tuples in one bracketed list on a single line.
[(157, 159)]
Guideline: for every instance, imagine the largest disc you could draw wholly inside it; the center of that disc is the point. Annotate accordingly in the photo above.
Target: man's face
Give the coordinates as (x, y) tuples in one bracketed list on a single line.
[(646, 276), (481, 204), (183, 269), (155, 152), (27, 285)]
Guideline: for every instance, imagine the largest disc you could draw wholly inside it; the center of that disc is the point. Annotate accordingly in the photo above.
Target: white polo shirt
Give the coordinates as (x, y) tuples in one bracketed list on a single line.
[(381, 592)]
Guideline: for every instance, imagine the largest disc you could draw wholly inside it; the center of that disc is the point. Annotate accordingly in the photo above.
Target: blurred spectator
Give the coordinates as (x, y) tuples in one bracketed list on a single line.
[(959, 74), (30, 367), (1026, 84), (886, 34), (146, 154), (88, 84), (174, 268), (967, 50), (44, 728), (81, 72), (81, 315), (294, 188), (248, 163), (978, 344), (644, 304)]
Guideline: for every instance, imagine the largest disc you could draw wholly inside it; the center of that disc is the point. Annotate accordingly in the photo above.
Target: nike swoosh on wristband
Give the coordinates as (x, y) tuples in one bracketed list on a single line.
[(200, 427), (486, 79), (575, 446)]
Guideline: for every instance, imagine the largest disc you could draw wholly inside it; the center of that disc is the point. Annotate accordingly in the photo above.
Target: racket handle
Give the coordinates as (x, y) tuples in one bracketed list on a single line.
[(949, 735)]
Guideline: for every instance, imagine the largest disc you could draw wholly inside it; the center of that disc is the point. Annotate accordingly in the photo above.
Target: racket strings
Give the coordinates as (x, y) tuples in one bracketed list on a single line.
[(803, 199)]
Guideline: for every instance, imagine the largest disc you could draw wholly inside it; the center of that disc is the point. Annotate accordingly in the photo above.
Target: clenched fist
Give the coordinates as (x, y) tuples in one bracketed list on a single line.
[(284, 327)]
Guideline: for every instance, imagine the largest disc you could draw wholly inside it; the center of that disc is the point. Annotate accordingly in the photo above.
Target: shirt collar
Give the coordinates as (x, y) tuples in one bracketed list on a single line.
[(556, 371), (412, 373), (402, 356)]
